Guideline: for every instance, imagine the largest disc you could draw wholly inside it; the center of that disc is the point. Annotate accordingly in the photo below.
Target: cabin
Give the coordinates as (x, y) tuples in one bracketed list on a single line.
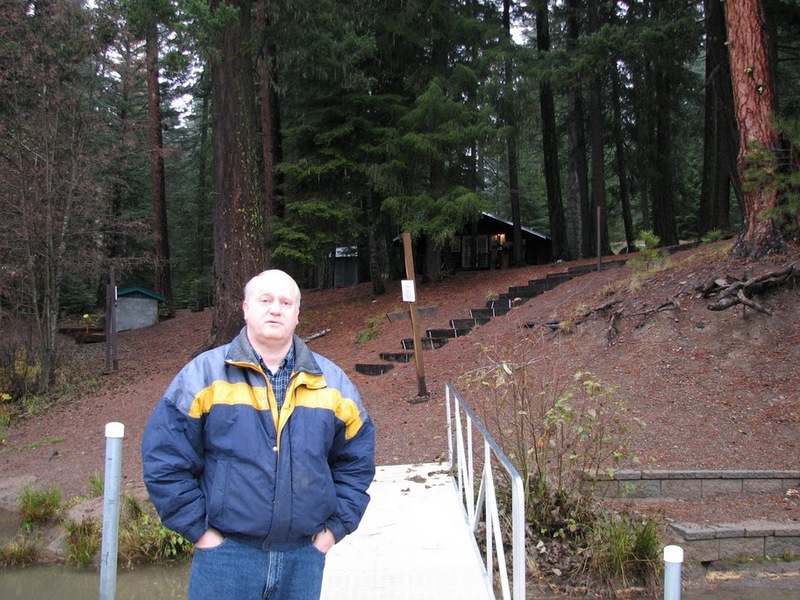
[(490, 241), (137, 308)]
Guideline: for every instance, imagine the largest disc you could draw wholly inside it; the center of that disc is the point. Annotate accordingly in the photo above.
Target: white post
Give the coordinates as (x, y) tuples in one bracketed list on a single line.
[(108, 553), (673, 559)]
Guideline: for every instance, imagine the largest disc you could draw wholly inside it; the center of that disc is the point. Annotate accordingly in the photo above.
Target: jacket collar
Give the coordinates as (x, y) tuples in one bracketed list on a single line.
[(241, 352)]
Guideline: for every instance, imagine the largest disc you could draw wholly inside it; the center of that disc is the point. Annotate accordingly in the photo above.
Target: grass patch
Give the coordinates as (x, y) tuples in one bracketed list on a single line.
[(19, 552), (372, 329), (144, 539), (34, 445), (83, 541), (39, 507)]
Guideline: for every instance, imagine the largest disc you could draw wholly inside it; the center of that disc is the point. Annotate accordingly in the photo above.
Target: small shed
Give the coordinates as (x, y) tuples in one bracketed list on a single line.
[(137, 308), (345, 266)]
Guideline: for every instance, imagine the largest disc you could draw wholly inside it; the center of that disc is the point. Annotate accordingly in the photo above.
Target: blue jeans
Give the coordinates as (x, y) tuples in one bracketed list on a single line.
[(235, 570)]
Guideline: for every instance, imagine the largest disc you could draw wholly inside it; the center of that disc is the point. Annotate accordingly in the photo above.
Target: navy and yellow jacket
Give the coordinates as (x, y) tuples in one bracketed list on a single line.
[(216, 453)]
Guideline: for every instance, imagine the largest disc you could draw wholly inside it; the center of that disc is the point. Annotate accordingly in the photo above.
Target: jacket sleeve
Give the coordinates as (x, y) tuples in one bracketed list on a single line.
[(172, 461), (352, 463)]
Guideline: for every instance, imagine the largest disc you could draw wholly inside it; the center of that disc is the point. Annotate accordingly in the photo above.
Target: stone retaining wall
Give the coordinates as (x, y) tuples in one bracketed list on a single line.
[(709, 543), (757, 539), (694, 485)]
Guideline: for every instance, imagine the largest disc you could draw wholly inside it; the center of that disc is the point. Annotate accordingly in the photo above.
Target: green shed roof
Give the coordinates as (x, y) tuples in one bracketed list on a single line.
[(138, 292)]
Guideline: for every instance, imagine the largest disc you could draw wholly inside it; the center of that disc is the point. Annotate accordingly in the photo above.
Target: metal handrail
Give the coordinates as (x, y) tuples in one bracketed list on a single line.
[(460, 423)]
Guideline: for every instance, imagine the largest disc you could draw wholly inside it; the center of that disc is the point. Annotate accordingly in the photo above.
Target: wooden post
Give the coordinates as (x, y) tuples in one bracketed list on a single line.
[(112, 364), (599, 241), (422, 391)]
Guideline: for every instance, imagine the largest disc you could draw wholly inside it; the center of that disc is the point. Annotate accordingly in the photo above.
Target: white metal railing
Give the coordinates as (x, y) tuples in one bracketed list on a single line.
[(460, 424)]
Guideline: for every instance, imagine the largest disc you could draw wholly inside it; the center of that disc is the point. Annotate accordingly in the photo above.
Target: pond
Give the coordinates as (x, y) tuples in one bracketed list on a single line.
[(167, 582)]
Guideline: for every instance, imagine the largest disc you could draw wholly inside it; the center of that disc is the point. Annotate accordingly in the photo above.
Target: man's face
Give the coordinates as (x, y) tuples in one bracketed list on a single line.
[(271, 309)]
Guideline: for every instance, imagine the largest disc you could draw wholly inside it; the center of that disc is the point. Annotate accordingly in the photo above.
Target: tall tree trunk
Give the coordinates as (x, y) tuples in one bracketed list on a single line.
[(721, 140), (163, 279), (558, 234), (663, 191), (621, 159), (239, 245), (598, 151), (265, 87), (373, 245), (755, 100), (579, 232), (201, 206), (510, 119)]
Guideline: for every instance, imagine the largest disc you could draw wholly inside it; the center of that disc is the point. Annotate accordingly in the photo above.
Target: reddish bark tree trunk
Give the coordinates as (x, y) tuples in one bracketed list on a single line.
[(755, 101)]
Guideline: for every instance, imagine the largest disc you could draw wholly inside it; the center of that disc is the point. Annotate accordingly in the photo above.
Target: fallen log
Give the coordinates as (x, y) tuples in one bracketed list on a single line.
[(316, 335)]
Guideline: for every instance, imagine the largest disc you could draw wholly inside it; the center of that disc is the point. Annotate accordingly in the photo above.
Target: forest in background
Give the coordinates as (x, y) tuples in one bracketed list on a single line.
[(185, 145)]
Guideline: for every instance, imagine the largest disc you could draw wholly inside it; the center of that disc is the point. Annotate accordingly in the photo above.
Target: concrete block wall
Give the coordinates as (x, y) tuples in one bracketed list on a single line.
[(135, 313), (709, 543), (695, 484), (760, 539)]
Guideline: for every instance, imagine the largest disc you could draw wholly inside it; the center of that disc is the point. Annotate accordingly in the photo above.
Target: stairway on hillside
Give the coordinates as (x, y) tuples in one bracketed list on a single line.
[(461, 326)]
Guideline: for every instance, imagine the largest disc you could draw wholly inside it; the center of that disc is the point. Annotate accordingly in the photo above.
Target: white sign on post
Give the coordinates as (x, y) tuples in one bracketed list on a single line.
[(407, 286)]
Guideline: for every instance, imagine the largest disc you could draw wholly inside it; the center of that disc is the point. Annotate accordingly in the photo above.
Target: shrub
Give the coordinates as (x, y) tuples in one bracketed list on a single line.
[(715, 235), (560, 435)]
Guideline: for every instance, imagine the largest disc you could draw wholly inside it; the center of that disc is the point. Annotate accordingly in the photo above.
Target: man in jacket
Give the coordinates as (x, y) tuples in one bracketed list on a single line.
[(260, 453)]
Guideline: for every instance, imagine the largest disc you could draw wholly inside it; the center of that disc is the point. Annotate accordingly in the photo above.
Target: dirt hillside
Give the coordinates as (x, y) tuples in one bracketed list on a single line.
[(716, 389)]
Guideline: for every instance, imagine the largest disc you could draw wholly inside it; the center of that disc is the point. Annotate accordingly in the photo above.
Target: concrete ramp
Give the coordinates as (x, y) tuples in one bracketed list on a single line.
[(414, 542)]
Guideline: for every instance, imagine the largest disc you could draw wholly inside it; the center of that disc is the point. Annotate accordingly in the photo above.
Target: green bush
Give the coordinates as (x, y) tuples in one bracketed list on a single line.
[(650, 257)]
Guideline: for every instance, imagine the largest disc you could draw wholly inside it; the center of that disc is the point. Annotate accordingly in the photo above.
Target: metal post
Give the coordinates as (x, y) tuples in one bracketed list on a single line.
[(108, 553), (673, 559)]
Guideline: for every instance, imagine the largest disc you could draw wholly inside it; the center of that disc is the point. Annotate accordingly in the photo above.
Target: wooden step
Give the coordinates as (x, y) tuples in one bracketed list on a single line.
[(482, 313), (448, 333), (397, 356), (373, 369), (468, 323), (427, 343)]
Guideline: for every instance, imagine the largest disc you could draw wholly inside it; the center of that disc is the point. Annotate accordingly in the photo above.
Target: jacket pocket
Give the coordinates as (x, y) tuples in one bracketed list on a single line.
[(217, 473)]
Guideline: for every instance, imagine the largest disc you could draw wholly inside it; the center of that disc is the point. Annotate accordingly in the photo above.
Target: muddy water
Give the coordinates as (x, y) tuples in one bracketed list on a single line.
[(165, 583), (153, 583)]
